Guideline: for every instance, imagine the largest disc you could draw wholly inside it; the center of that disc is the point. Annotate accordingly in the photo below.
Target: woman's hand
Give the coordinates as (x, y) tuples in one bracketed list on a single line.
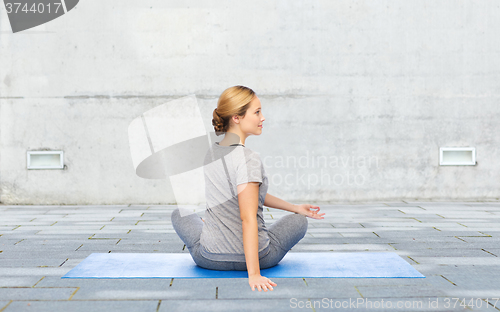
[(261, 282), (305, 209)]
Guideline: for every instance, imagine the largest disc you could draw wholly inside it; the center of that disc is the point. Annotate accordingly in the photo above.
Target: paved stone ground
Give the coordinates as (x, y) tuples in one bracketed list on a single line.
[(454, 244)]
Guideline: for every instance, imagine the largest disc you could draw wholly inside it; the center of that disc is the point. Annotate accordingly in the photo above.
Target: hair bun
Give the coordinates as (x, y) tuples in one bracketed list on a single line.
[(218, 126)]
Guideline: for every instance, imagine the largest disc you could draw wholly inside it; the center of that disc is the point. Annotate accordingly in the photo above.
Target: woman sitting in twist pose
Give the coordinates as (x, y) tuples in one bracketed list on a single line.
[(233, 235)]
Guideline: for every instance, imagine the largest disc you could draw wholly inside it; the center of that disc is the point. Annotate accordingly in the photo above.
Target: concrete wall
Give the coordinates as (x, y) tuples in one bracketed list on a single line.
[(376, 87)]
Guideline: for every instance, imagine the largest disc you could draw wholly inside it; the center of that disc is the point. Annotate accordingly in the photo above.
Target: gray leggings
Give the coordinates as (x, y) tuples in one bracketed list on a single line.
[(283, 235)]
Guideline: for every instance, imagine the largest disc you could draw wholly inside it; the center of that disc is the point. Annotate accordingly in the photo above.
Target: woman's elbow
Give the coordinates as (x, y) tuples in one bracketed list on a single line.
[(248, 220)]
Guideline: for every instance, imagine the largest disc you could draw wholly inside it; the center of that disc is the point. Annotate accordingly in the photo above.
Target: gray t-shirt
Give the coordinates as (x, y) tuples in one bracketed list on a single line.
[(225, 167)]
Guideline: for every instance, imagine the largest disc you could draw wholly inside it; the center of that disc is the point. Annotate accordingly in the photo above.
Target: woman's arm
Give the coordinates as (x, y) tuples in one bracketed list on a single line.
[(275, 202), (303, 209), (248, 200)]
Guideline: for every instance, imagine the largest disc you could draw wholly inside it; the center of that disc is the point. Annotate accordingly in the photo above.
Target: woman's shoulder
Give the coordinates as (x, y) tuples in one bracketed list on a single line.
[(236, 152), (252, 156)]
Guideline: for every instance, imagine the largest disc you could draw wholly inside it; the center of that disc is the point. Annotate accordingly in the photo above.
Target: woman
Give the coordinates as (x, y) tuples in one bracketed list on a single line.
[(233, 235)]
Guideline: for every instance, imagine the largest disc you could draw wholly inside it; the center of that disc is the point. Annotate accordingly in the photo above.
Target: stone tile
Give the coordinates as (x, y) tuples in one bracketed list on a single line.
[(83, 306), (364, 237), (125, 228), (493, 231), (13, 254), (399, 290), (319, 225), (29, 293), (411, 245), (494, 251), (153, 232), (495, 261), (114, 235), (148, 249), (139, 289), (397, 204), (18, 281), (66, 232), (61, 229), (217, 305), (3, 304), (446, 252), (36, 248), (19, 271), (98, 247), (51, 237), (460, 233), (331, 283), (485, 283), (342, 247), (472, 271), (472, 293), (69, 243), (31, 262), (15, 223), (480, 240), (338, 226), (286, 288), (15, 233), (323, 235), (479, 224), (57, 281), (43, 254), (132, 235)]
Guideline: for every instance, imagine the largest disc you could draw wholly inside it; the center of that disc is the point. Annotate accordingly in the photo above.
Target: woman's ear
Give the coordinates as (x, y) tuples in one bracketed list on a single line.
[(236, 119)]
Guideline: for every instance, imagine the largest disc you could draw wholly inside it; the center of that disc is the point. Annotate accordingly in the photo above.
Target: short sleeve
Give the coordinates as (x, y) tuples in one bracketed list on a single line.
[(249, 169)]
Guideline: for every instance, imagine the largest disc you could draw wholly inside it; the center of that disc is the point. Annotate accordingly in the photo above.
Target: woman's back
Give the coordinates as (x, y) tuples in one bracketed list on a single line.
[(225, 168)]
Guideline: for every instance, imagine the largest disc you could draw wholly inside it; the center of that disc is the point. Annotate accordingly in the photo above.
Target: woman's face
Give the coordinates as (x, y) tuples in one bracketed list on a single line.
[(252, 122)]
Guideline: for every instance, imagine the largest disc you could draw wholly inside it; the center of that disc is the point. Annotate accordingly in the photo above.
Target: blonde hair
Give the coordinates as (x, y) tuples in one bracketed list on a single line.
[(233, 101)]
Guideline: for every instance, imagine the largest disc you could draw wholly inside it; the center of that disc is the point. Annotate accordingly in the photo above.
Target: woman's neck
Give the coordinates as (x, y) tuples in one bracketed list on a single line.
[(231, 138)]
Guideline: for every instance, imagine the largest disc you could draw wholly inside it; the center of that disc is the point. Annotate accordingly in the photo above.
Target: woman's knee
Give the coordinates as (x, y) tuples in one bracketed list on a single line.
[(175, 213), (304, 223), (301, 222), (175, 218)]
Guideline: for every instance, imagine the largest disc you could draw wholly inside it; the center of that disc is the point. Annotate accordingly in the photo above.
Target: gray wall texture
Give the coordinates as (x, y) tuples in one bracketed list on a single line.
[(373, 87)]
